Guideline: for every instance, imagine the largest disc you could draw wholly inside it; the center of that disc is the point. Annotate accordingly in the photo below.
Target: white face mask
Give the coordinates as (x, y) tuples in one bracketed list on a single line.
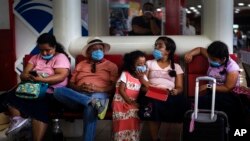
[(141, 68)]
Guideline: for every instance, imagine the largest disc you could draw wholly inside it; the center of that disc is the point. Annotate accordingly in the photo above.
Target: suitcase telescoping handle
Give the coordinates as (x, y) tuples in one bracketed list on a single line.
[(206, 78)]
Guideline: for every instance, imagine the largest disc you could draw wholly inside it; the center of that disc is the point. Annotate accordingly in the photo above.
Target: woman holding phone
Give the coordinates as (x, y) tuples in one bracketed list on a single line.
[(50, 66)]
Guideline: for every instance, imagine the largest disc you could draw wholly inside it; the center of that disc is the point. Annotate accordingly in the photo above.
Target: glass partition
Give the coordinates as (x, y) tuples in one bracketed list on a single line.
[(122, 13)]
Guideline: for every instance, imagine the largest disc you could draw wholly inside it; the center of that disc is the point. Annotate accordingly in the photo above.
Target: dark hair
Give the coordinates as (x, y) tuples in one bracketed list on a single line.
[(148, 3), (129, 60), (171, 47), (219, 50), (50, 39)]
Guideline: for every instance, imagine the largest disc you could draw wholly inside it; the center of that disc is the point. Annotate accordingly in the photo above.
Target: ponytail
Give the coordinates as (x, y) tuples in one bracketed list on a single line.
[(172, 72), (60, 49), (225, 66)]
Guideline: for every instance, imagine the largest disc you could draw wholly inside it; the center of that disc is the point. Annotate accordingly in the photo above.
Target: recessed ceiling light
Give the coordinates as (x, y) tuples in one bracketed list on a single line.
[(187, 11), (248, 5), (241, 4), (158, 9), (199, 6), (197, 12), (236, 26), (237, 9), (192, 8)]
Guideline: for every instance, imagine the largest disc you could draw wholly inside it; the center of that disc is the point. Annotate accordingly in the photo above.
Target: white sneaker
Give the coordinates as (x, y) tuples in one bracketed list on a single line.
[(16, 124)]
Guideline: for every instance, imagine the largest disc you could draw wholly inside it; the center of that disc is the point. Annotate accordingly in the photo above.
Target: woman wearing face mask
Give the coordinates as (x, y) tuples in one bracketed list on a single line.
[(89, 85), (126, 123), (226, 72), (51, 66), (163, 73)]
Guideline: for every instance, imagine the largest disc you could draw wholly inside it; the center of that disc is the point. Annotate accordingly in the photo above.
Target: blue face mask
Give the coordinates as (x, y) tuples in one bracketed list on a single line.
[(141, 68), (214, 64), (157, 54), (97, 55), (47, 57)]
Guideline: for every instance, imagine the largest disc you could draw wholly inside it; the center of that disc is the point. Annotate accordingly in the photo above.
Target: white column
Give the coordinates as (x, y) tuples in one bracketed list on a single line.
[(217, 21), (98, 17), (67, 21)]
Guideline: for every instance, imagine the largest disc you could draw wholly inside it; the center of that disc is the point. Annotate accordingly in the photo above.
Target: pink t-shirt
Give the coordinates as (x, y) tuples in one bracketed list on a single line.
[(106, 73), (47, 68), (159, 77), (221, 78)]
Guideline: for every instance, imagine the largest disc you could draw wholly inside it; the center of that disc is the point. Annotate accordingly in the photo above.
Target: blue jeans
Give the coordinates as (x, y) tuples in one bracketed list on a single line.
[(73, 98)]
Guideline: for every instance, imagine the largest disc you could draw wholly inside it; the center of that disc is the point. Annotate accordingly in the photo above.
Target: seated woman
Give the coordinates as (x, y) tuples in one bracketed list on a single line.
[(90, 83), (226, 72), (52, 66), (163, 73)]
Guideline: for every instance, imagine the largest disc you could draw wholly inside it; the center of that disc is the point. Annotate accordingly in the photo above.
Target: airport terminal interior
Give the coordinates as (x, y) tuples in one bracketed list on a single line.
[(22, 21)]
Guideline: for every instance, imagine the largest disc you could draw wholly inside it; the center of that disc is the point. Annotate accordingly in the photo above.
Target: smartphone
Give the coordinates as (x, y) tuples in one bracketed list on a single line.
[(34, 73)]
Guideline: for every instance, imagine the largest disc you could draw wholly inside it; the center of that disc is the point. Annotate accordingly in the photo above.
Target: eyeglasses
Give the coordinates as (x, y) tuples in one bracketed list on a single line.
[(93, 68)]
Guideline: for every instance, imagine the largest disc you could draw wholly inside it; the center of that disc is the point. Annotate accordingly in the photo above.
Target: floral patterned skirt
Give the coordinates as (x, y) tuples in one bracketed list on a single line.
[(126, 123)]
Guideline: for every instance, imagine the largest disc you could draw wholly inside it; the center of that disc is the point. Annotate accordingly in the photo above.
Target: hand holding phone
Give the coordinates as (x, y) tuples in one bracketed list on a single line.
[(34, 73)]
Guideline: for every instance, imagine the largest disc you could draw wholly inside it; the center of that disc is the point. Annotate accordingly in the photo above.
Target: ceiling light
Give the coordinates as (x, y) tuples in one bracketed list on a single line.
[(191, 8), (198, 13), (187, 11), (248, 5), (236, 26), (241, 4), (199, 6), (195, 10), (158, 9)]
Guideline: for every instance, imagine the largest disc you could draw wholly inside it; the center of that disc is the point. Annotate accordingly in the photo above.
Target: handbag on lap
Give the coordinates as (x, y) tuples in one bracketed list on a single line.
[(31, 90)]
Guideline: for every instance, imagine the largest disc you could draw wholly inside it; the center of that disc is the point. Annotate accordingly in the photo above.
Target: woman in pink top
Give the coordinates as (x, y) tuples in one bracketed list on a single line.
[(52, 66), (163, 73), (90, 83)]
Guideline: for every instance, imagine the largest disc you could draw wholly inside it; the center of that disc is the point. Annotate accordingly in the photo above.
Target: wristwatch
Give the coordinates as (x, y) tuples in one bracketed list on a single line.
[(209, 86)]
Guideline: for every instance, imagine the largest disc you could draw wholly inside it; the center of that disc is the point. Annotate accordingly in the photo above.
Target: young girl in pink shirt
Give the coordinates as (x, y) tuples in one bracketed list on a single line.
[(126, 122)]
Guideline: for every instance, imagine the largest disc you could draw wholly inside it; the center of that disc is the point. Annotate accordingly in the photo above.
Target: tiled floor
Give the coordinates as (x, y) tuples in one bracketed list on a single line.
[(168, 131)]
